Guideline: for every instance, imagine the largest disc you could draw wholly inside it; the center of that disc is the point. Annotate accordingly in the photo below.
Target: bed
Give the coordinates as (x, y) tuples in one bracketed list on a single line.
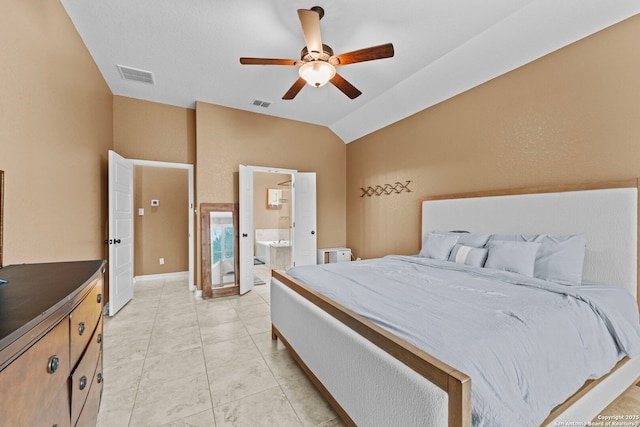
[(372, 376)]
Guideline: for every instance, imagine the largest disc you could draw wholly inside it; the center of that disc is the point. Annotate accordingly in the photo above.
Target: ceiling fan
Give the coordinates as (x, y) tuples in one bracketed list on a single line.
[(317, 62)]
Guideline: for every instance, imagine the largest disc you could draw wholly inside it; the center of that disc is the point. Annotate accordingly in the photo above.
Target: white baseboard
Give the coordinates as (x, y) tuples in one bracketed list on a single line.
[(199, 293), (175, 275)]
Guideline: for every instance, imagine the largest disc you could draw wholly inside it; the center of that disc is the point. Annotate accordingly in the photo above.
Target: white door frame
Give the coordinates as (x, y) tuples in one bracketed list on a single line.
[(191, 211)]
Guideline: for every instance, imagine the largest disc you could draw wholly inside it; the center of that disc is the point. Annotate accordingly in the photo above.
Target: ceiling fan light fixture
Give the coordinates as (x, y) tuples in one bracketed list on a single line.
[(317, 73)]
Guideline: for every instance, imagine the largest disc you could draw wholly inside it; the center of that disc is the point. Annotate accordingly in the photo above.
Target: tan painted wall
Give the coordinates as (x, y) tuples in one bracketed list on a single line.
[(264, 217), (146, 130), (572, 116), (229, 137), (162, 232), (150, 131), (55, 131)]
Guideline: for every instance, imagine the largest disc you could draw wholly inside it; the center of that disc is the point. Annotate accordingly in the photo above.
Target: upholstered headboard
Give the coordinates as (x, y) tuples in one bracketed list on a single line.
[(606, 213)]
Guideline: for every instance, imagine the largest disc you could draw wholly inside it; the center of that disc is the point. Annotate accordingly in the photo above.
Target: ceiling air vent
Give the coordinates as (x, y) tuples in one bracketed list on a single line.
[(135, 74), (259, 103)]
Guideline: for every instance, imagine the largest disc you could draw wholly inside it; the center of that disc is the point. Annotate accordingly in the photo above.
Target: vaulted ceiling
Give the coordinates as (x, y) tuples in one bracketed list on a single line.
[(442, 48)]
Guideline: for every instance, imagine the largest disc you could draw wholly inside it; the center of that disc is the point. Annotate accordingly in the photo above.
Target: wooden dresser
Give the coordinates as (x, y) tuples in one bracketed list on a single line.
[(51, 343)]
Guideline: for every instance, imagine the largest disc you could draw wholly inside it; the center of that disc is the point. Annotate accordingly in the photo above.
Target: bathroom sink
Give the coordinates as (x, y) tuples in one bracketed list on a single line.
[(283, 244)]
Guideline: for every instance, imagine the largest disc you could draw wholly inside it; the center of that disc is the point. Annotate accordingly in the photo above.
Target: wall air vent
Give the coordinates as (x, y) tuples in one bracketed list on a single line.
[(259, 103), (135, 74)]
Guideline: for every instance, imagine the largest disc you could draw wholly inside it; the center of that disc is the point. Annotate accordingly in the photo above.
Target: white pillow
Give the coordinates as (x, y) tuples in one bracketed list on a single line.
[(468, 255), (438, 246), (517, 257)]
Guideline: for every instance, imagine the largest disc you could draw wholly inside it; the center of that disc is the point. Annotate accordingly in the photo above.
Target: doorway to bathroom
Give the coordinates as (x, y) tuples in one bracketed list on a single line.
[(277, 222), (272, 223)]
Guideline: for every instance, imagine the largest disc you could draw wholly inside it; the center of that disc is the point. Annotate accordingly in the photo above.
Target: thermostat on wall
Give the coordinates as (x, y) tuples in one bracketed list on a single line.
[(155, 203)]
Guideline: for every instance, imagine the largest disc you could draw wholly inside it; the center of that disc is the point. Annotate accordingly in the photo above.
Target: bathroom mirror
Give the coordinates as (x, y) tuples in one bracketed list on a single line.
[(274, 198), (1, 212), (219, 228)]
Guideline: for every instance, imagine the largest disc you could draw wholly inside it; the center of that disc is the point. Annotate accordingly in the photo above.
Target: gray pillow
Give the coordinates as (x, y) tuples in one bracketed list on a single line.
[(438, 246), (517, 237), (517, 257), (468, 255), (474, 239), (469, 239), (560, 259)]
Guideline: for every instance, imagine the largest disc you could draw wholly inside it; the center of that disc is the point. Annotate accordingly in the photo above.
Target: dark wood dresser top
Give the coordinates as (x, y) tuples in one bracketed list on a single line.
[(34, 293)]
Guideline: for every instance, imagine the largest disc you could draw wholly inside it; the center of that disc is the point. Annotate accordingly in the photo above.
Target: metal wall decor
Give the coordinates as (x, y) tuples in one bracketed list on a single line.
[(386, 189)]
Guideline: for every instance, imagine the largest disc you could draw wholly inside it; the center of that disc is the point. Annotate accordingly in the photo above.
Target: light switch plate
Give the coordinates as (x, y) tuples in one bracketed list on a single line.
[(140, 211)]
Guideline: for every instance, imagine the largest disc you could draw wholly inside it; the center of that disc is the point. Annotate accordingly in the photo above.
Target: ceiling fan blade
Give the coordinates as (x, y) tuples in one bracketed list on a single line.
[(269, 61), (362, 55), (347, 88), (293, 90), (310, 20)]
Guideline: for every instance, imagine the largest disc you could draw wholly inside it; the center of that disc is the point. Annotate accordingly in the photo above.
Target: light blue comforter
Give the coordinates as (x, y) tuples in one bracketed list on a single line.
[(527, 344)]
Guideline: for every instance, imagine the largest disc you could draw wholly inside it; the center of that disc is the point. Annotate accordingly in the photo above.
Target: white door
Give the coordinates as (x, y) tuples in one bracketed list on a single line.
[(246, 228), (304, 230), (120, 232)]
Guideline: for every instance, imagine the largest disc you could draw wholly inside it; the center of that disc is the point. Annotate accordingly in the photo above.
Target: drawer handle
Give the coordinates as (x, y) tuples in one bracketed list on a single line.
[(100, 378), (54, 363), (81, 328), (83, 382), (99, 298), (99, 338)]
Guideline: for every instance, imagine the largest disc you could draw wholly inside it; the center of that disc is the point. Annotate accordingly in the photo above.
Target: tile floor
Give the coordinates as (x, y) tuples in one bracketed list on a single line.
[(628, 404), (173, 360)]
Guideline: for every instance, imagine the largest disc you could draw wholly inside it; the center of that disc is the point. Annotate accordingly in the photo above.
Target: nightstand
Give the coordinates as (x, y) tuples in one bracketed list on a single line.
[(330, 255)]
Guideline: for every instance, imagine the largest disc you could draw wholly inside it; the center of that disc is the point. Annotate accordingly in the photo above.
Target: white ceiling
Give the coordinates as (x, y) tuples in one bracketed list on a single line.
[(442, 48)]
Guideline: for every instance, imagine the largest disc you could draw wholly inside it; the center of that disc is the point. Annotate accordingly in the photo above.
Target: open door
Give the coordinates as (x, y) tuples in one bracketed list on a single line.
[(246, 228), (304, 229), (120, 232), (304, 218)]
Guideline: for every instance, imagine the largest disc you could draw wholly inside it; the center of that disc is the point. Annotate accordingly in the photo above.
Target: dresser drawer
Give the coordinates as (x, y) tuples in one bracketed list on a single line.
[(83, 321), (83, 375), (32, 382), (57, 414), (92, 404)]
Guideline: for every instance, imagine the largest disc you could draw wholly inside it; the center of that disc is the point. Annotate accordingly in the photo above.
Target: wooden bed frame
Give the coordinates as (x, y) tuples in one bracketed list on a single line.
[(455, 384)]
